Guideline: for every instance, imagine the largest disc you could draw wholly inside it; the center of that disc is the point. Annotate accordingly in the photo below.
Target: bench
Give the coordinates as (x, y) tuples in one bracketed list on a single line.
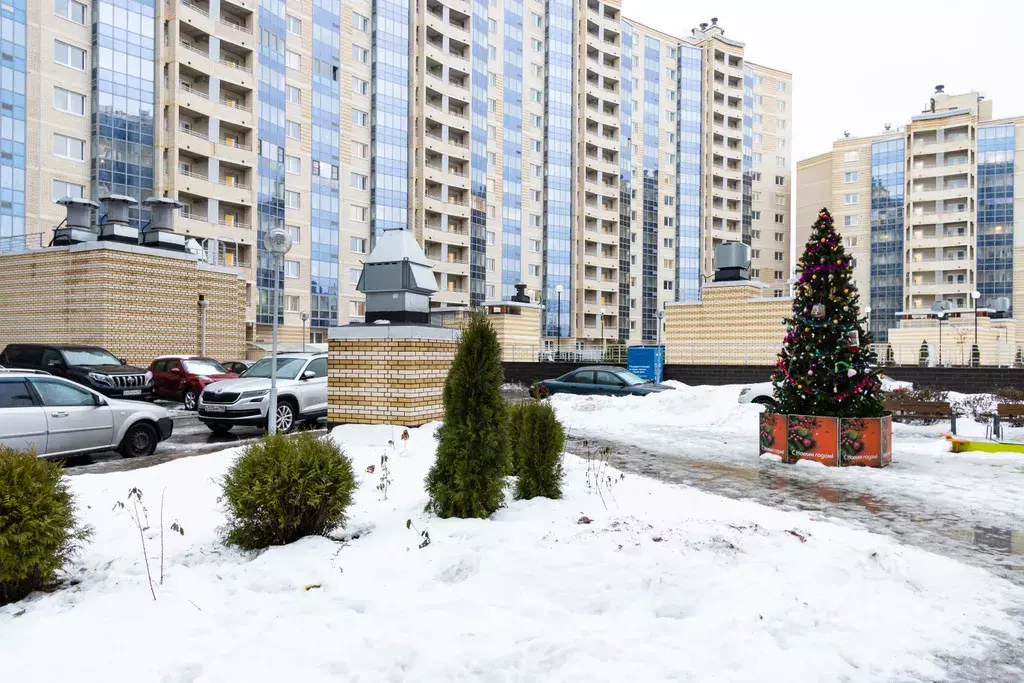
[(1011, 413), (922, 410)]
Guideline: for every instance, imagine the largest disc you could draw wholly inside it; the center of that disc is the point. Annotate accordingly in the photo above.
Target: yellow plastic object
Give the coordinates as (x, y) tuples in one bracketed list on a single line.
[(959, 445)]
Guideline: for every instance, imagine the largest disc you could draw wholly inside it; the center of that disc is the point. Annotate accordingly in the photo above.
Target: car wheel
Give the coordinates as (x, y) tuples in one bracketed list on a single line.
[(219, 427), (285, 416), (190, 398), (140, 440), (543, 392), (766, 402)]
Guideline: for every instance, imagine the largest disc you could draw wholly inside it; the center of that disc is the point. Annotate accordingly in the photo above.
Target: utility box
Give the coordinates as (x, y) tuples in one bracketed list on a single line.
[(646, 362)]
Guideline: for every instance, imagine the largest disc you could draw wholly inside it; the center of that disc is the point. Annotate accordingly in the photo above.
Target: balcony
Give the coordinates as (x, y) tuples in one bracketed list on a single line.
[(936, 170), (933, 217), (942, 146), (197, 13)]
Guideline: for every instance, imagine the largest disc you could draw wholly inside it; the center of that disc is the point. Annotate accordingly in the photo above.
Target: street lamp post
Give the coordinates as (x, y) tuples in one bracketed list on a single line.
[(277, 242), (975, 360), (602, 334), (558, 322), (941, 315), (303, 317)]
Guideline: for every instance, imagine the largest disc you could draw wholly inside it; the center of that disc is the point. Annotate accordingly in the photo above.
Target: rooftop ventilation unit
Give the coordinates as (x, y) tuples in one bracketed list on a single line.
[(397, 280), (159, 231), (940, 89), (732, 262), (1000, 307), (520, 295), (115, 226), (77, 226)]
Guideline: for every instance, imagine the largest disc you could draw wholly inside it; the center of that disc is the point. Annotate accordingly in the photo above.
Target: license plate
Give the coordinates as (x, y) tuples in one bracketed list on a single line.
[(132, 392), (214, 409)]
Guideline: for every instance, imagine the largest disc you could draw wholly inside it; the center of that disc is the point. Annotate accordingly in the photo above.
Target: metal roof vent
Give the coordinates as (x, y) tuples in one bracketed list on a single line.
[(158, 232), (939, 89), (115, 226), (941, 305), (77, 226), (1000, 307), (732, 262), (714, 21), (520, 295), (704, 26), (397, 280)]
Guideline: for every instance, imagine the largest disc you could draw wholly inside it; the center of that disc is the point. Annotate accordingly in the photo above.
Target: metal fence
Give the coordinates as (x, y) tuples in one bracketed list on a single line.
[(21, 243)]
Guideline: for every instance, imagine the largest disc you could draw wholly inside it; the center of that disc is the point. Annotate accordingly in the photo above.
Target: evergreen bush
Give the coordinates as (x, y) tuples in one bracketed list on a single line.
[(539, 452), (39, 532), (515, 421), (466, 479), (283, 488)]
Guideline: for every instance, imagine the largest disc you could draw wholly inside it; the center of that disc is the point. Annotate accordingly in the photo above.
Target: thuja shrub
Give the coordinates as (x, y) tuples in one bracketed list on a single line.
[(39, 531), (539, 452), (284, 488), (515, 419)]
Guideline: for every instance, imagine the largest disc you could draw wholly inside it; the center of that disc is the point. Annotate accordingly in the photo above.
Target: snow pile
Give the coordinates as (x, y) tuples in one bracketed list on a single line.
[(664, 583)]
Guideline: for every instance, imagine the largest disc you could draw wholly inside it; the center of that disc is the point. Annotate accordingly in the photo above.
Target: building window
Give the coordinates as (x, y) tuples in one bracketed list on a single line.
[(538, 70), (294, 232), (292, 165), (67, 101), (756, 156), (357, 245), (69, 55), (780, 180), (360, 22), (755, 273), (535, 169), (360, 118), (758, 80), (353, 275), (851, 221), (781, 86), (536, 195), (669, 200), (538, 20), (755, 215), (780, 237), (850, 241), (534, 220), (669, 221), (852, 198), (536, 120), (61, 189), (780, 256), (777, 293), (851, 176), (360, 54), (492, 52), (359, 213), (755, 253), (356, 309), (756, 196), (292, 200), (538, 46), (293, 94), (360, 150), (780, 200), (492, 25), (759, 100), (294, 25), (535, 246), (292, 129), (780, 218), (360, 87), (669, 243), (71, 10), (779, 275), (667, 285), (758, 119), (758, 138), (291, 268), (490, 292), (850, 157), (756, 177), (670, 115), (780, 105), (291, 303), (293, 59), (781, 143), (490, 265), (357, 181), (535, 145), (780, 124), (534, 270), (490, 238), (536, 95), (68, 147), (780, 162)]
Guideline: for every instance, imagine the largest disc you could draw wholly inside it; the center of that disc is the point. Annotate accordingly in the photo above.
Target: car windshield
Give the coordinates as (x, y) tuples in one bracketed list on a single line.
[(630, 379), (287, 368), (90, 357), (204, 367)]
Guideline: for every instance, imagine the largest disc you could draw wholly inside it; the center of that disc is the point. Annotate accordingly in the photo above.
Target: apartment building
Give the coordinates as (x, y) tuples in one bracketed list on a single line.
[(552, 143), (926, 209)]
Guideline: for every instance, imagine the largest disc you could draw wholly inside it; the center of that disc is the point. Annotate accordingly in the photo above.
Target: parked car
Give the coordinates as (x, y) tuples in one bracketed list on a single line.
[(90, 366), (301, 394), (604, 380), (53, 416), (238, 366), (763, 393), (183, 378)]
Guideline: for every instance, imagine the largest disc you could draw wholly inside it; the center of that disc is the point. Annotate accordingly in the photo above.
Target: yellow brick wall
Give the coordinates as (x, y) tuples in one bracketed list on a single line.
[(731, 325), (387, 381), (137, 305), (518, 333)]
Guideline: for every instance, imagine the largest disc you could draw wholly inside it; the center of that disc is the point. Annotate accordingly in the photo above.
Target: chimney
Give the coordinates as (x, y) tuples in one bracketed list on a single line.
[(77, 226), (846, 133), (159, 231), (940, 89), (888, 126), (732, 262), (704, 26), (115, 226), (714, 21), (520, 295)]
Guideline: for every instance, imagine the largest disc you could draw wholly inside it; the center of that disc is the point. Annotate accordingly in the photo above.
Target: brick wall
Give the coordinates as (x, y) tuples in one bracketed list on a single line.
[(136, 302)]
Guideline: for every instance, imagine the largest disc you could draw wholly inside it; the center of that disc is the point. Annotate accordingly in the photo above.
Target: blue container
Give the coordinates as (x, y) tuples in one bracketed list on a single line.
[(646, 362)]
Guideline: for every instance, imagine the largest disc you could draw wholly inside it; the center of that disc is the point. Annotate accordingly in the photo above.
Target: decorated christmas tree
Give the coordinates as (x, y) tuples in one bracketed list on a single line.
[(825, 366)]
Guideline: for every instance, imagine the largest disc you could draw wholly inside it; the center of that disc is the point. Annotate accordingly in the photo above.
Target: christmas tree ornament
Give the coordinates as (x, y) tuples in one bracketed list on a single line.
[(851, 373), (818, 311)]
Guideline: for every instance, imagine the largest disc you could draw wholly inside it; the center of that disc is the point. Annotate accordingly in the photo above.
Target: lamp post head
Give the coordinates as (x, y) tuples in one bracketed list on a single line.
[(303, 316), (277, 241), (559, 289), (975, 295), (602, 311), (661, 314), (867, 310)]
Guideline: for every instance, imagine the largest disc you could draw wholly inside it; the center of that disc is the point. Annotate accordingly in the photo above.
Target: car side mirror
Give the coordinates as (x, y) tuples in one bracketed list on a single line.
[(99, 400), (308, 374), (122, 361), (176, 371)]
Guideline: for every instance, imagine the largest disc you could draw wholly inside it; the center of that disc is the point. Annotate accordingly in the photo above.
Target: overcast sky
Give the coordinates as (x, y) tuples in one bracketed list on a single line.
[(859, 64)]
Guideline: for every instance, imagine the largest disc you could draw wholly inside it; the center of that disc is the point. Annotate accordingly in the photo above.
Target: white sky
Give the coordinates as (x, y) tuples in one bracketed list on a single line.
[(859, 64)]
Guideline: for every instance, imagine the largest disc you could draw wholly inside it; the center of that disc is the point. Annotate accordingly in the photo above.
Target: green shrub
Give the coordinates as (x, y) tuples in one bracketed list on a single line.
[(515, 420), (39, 532), (1010, 395), (539, 452), (283, 488), (467, 477)]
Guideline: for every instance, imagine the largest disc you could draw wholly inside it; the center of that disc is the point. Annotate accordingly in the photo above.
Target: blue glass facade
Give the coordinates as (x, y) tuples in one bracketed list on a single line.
[(324, 200), (123, 75), (651, 198), (625, 177), (887, 188), (270, 189), (389, 170), (688, 155), (747, 189), (558, 168), (478, 156), (512, 151), (12, 118), (995, 212)]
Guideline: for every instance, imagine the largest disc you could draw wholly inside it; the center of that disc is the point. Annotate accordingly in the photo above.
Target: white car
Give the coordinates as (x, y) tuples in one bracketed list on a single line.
[(764, 392), (52, 416), (301, 394)]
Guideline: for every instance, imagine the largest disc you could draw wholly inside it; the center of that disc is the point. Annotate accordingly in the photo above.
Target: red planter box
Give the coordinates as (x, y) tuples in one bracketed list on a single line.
[(831, 441)]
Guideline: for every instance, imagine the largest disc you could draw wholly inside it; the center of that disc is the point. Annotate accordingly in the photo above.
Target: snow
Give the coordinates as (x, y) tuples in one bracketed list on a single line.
[(666, 583)]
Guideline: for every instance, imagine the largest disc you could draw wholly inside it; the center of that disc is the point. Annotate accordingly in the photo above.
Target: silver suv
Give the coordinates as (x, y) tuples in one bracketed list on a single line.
[(301, 394), (52, 416)]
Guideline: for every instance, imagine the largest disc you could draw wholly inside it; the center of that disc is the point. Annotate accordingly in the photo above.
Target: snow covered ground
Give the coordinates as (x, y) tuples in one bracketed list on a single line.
[(665, 583)]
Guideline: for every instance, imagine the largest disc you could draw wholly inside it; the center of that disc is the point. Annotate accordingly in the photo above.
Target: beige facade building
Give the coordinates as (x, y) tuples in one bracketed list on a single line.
[(556, 144), (928, 211)]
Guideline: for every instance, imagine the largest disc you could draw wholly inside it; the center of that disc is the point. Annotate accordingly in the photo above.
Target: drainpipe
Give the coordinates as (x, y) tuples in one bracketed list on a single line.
[(203, 303)]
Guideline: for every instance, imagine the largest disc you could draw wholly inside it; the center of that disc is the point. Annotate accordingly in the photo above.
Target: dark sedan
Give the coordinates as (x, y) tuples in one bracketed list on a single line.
[(600, 380)]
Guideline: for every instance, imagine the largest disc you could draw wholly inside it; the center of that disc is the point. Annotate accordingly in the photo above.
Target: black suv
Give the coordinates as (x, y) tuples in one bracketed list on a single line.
[(90, 366)]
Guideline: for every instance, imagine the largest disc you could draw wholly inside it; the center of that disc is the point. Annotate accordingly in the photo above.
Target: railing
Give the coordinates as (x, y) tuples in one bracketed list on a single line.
[(435, 136), (195, 7), (193, 174), (235, 104), (235, 224), (191, 131), (192, 91), (235, 25), (236, 65), (193, 48), (236, 144), (20, 243), (234, 183)]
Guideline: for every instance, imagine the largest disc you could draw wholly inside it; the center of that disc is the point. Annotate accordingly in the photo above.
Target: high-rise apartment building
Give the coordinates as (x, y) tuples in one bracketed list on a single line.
[(926, 209), (552, 143)]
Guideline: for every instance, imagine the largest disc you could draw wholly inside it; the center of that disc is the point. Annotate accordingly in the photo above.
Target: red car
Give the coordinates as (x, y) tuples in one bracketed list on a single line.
[(182, 378)]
